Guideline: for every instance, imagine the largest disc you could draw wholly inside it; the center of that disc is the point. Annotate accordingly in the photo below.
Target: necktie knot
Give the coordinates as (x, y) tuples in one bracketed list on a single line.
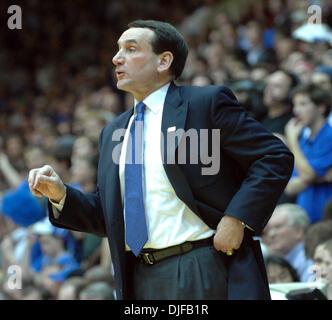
[(140, 110)]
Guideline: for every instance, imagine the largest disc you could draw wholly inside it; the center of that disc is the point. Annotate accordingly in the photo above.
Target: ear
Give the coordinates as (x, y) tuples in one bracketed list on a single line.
[(164, 61), (299, 232)]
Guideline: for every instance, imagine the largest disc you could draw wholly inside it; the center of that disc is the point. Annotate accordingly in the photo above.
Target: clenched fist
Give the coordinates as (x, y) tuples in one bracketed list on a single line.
[(229, 234), (45, 181)]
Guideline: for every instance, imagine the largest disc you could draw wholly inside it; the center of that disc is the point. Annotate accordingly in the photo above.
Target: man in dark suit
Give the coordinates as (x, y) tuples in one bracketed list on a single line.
[(194, 239)]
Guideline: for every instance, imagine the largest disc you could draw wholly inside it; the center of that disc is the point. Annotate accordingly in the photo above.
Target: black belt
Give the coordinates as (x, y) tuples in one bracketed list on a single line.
[(152, 256)]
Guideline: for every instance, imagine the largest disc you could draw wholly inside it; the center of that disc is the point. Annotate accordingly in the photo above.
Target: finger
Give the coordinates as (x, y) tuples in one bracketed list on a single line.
[(45, 170), (46, 179), (40, 178), (217, 243), (31, 177), (36, 193)]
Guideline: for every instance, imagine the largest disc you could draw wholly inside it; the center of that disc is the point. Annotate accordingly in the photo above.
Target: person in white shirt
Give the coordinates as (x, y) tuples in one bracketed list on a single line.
[(194, 238)]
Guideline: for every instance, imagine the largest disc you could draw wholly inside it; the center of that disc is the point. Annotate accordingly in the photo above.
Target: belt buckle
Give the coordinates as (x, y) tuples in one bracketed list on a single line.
[(146, 258)]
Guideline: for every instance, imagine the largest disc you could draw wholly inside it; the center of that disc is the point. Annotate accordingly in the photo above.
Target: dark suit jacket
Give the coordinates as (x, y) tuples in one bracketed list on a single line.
[(255, 167)]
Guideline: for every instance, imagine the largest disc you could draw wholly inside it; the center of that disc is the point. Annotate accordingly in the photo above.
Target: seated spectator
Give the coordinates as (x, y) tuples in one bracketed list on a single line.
[(276, 99), (316, 234), (323, 263), (53, 251), (280, 271), (322, 76), (284, 234), (311, 181)]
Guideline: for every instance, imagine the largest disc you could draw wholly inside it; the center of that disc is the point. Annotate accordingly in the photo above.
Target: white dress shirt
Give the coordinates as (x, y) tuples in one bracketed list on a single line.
[(169, 220)]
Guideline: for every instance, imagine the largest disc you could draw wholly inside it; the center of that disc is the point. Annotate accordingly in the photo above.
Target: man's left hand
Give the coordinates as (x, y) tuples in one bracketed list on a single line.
[(229, 234)]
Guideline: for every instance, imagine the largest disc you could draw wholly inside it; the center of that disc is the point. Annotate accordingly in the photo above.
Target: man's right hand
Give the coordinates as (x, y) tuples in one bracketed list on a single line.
[(45, 181)]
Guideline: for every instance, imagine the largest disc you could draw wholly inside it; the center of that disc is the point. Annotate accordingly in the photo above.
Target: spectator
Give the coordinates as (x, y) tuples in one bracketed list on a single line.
[(53, 251), (322, 76), (284, 235), (280, 271), (311, 181), (316, 234), (323, 264), (253, 43), (276, 98)]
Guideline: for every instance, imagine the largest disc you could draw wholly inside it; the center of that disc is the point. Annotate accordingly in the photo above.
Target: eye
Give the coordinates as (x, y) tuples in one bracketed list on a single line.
[(131, 49)]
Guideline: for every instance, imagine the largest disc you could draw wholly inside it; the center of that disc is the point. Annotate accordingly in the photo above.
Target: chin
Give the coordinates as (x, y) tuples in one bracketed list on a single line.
[(123, 85)]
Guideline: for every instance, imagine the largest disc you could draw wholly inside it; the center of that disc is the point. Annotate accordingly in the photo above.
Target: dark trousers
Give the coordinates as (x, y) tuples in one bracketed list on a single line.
[(198, 274)]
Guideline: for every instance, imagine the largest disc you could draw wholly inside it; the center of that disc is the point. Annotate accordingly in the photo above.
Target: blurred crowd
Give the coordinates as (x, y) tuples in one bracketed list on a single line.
[(58, 90)]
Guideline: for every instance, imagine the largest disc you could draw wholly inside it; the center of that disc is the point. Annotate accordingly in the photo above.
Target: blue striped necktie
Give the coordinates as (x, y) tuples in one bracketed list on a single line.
[(136, 229)]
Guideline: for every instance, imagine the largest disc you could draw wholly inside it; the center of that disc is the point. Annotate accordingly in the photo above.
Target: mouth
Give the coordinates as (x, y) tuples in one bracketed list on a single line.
[(119, 74)]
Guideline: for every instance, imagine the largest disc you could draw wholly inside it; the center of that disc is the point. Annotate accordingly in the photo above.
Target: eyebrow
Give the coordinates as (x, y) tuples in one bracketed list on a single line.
[(128, 41)]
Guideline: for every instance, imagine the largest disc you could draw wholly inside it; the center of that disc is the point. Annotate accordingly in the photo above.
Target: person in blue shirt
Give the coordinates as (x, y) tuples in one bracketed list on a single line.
[(309, 137)]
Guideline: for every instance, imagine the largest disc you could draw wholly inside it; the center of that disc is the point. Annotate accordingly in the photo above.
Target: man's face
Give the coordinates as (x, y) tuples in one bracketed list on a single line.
[(276, 90), (135, 63), (304, 109), (279, 237)]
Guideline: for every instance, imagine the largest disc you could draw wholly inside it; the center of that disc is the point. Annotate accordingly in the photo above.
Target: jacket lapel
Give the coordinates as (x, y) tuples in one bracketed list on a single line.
[(172, 127), (114, 204)]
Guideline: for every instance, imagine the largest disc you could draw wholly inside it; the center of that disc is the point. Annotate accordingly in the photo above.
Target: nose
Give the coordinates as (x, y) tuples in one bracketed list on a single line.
[(118, 58)]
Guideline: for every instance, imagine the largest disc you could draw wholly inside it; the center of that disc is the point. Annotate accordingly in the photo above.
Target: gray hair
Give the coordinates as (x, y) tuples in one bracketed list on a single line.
[(298, 217)]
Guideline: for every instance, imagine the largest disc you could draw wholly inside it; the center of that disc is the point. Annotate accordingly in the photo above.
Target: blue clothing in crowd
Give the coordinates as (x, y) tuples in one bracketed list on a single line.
[(22, 207), (298, 260), (318, 152)]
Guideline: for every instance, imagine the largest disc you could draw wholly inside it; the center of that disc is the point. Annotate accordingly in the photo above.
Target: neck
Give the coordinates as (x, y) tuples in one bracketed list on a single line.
[(141, 95), (316, 126), (277, 110)]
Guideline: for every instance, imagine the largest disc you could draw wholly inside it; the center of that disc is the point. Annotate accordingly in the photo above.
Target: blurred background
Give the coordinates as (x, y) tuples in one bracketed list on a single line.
[(58, 90)]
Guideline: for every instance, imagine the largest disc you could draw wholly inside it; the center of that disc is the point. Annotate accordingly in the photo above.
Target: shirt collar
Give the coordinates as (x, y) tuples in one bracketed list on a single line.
[(294, 252), (306, 133), (156, 99)]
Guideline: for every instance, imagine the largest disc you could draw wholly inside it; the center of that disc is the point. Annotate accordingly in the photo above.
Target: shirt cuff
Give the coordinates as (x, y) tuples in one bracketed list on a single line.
[(57, 207)]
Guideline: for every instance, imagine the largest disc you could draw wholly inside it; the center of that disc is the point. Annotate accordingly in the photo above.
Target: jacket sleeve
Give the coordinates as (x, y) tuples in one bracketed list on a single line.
[(266, 161), (81, 211)]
